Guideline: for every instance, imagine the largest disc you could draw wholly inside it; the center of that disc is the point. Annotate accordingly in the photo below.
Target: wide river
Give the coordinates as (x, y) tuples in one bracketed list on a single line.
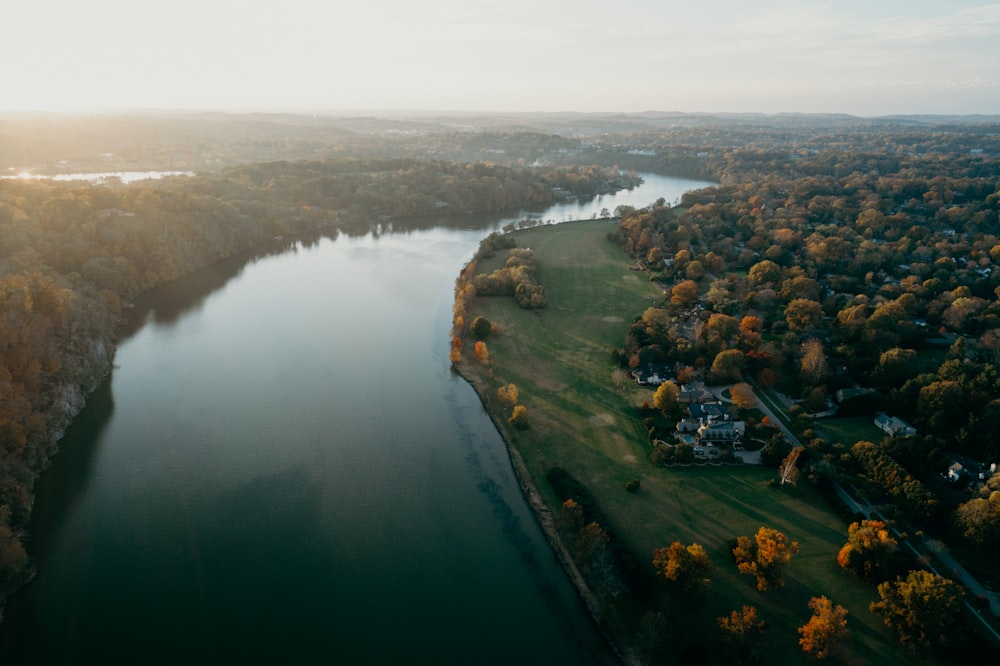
[(283, 469)]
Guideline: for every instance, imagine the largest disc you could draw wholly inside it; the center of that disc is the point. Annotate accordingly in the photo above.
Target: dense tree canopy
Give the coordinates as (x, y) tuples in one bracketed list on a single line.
[(870, 552), (922, 608)]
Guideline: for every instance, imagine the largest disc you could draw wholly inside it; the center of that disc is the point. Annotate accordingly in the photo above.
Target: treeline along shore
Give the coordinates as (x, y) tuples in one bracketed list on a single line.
[(73, 256)]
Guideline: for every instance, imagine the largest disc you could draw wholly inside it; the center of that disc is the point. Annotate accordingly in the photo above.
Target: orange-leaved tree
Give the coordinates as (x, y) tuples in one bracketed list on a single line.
[(688, 566), (765, 556), (508, 394), (519, 417), (481, 352), (871, 551), (825, 630), (743, 396)]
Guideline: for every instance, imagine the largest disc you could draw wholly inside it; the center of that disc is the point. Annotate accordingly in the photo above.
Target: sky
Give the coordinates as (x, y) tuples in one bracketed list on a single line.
[(868, 58)]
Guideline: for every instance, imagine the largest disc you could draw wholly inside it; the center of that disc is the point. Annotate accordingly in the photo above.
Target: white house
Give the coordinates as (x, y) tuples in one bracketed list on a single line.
[(895, 426)]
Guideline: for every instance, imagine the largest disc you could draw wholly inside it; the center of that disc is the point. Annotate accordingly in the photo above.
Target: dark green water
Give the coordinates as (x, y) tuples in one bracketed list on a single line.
[(283, 469)]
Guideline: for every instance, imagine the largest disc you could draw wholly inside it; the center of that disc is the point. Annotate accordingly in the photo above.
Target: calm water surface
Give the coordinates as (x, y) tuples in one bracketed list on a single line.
[(283, 469)]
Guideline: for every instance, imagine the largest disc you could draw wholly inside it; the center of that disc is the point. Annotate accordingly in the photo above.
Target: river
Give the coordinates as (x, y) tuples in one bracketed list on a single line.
[(283, 469)]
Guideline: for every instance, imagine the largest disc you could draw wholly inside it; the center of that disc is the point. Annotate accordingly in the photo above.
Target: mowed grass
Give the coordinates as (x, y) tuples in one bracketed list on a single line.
[(582, 418), (850, 430)]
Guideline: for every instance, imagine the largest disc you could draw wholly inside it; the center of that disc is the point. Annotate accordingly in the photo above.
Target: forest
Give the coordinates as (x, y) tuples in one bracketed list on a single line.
[(74, 255), (864, 280)]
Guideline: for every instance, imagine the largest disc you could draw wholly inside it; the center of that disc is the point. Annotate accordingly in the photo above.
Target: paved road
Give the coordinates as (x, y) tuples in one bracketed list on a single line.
[(931, 548)]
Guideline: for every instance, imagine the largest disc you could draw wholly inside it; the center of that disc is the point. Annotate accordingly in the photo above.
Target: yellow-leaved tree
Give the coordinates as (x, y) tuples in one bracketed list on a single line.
[(508, 394), (765, 556)]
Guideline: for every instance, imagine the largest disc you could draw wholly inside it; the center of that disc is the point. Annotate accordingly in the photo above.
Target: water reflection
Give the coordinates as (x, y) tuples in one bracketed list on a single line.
[(287, 472), (57, 489)]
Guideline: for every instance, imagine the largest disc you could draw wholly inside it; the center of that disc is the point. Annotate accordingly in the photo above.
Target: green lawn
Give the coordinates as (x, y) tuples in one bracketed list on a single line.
[(848, 431), (582, 418)]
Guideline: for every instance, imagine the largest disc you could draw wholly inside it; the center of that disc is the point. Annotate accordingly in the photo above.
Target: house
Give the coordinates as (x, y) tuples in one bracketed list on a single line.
[(692, 395), (687, 426), (895, 426), (726, 432), (653, 374), (710, 412), (955, 472), (967, 470)]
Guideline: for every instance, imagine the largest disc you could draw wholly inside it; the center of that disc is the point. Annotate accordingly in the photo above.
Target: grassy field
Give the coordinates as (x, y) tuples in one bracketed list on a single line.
[(850, 430), (582, 418)]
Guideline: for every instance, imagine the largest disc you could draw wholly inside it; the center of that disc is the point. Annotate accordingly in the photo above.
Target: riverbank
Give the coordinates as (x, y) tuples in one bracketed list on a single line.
[(543, 515), (551, 386)]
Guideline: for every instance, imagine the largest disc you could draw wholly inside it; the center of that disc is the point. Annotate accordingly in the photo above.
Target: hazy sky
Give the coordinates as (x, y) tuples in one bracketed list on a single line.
[(867, 57)]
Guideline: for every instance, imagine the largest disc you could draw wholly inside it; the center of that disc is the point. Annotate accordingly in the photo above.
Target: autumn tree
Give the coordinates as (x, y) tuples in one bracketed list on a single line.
[(788, 470), (979, 519), (481, 352), (508, 394), (694, 270), (799, 286), (803, 314), (727, 365), (456, 350), (667, 397), (764, 272), (570, 520), (685, 375), (813, 366), (720, 332), (897, 365), (870, 551), (750, 333), (826, 629), (743, 396), (765, 556), (687, 566), (922, 608), (684, 294), (743, 632), (519, 417)]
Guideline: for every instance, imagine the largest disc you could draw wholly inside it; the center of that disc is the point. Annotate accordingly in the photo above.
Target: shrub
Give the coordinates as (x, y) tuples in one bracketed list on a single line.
[(480, 328)]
